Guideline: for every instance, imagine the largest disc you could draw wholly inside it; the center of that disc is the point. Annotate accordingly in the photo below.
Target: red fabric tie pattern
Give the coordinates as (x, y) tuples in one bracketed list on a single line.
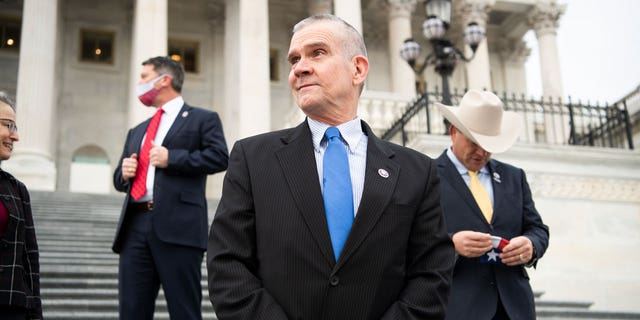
[(139, 187)]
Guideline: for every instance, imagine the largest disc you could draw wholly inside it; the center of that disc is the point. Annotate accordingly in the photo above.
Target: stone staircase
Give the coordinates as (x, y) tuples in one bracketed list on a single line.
[(79, 271)]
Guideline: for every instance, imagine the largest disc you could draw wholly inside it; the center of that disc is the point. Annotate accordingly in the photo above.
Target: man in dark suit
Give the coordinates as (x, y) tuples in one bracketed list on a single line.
[(490, 215), (162, 232), (274, 248)]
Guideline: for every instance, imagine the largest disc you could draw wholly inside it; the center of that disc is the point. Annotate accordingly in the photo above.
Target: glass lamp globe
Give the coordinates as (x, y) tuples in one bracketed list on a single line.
[(410, 51)]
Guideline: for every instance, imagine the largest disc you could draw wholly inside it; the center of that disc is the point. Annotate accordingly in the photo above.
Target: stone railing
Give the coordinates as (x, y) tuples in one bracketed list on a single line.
[(379, 109)]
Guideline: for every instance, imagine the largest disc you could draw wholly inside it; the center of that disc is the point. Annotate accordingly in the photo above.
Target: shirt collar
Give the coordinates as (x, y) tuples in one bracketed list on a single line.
[(459, 166), (173, 106), (350, 131)]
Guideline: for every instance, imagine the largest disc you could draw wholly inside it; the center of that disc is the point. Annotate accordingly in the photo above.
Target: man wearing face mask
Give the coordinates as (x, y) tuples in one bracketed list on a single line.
[(162, 233)]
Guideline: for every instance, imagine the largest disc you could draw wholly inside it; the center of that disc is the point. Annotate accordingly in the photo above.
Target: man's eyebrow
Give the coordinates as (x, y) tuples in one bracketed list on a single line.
[(308, 46)]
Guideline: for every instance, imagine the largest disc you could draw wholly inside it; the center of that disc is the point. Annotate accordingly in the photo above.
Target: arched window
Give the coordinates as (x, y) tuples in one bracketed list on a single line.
[(90, 171)]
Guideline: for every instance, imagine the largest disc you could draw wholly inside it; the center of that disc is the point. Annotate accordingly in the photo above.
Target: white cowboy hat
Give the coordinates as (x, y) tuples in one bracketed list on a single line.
[(481, 118)]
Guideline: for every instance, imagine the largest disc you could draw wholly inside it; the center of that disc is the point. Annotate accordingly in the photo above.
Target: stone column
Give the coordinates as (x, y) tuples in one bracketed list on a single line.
[(350, 11), (248, 86), (543, 19), (479, 68), (514, 54), (150, 28), (319, 7), (402, 77), (32, 161)]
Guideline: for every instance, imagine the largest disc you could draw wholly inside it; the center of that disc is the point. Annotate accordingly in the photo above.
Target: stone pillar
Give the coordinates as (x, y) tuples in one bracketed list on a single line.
[(402, 77), (248, 86), (350, 11), (32, 161), (479, 68), (514, 54), (150, 28), (319, 7), (544, 21)]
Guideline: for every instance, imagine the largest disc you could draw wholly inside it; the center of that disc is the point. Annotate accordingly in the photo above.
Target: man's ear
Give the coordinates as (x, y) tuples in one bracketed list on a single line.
[(166, 81), (361, 70)]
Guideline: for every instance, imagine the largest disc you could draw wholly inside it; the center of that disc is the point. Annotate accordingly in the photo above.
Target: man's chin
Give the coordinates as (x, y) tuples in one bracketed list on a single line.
[(308, 105)]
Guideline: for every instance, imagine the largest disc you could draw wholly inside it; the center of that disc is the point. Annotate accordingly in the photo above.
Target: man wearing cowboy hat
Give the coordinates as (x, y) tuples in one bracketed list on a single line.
[(489, 212)]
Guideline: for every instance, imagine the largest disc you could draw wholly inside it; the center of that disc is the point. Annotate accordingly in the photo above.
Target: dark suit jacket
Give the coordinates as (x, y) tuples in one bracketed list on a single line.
[(476, 286), (19, 256), (270, 254), (197, 148)]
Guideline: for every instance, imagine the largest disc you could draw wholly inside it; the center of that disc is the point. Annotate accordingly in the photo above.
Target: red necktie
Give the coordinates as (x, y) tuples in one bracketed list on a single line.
[(139, 187)]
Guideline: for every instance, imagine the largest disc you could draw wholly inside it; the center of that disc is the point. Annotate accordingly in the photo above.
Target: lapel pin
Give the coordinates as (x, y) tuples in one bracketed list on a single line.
[(185, 114), (496, 177), (383, 173)]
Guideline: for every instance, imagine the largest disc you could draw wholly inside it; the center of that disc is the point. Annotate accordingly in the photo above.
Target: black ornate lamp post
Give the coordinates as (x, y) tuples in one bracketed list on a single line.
[(444, 55)]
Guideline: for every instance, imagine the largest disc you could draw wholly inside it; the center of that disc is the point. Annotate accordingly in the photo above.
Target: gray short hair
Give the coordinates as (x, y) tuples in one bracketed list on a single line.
[(353, 41), (4, 97)]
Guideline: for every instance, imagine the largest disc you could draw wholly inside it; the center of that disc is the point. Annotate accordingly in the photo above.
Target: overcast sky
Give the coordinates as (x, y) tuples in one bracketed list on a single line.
[(599, 49)]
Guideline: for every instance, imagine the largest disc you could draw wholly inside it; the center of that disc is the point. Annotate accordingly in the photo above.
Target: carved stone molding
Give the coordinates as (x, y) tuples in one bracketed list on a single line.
[(581, 187), (545, 16), (400, 8), (474, 11), (375, 34), (216, 15), (320, 6), (514, 51)]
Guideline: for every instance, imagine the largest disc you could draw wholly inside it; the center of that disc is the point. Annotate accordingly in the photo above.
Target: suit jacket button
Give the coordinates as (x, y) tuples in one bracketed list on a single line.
[(334, 281)]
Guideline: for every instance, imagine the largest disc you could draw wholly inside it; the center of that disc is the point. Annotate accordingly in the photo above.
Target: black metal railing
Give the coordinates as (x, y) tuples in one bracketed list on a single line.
[(545, 121)]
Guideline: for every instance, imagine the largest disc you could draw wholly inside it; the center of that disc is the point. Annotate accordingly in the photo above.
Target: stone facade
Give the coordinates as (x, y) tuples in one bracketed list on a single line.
[(68, 105), (73, 115)]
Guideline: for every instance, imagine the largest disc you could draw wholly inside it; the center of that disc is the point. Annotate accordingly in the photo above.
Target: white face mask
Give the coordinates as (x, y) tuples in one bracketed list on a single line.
[(146, 92)]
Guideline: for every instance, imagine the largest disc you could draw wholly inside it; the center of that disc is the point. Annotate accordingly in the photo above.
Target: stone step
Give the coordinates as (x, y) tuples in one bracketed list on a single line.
[(83, 271), (564, 305), (570, 314), (79, 253), (51, 235), (80, 245), (108, 289), (104, 304), (75, 231), (79, 271), (109, 315), (50, 283)]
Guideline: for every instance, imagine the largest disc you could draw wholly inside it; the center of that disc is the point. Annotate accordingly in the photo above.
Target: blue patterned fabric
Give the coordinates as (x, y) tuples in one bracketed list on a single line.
[(338, 198)]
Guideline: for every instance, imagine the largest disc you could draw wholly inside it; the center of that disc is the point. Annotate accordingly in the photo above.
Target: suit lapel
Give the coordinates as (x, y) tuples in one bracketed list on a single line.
[(295, 159), (376, 194), (452, 175), (138, 135), (178, 123)]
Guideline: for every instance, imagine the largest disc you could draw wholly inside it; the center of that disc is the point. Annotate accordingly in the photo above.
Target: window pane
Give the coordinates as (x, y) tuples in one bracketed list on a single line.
[(96, 46), (10, 33), (185, 52)]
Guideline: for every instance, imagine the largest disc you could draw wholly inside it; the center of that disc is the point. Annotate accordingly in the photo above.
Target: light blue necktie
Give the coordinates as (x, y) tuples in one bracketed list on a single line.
[(338, 197)]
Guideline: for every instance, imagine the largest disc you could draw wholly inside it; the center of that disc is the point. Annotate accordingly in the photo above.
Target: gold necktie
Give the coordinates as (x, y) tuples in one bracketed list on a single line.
[(481, 195)]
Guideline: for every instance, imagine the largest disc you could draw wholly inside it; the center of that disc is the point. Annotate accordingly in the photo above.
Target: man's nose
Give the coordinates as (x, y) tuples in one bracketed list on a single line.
[(302, 67), (481, 152)]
